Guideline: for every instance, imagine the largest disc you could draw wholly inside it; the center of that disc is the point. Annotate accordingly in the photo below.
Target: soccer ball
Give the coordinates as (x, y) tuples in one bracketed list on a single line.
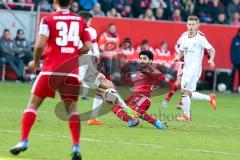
[(222, 87), (110, 96)]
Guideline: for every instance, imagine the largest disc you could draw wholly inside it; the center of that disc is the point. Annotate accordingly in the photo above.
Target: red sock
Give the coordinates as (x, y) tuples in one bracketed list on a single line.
[(145, 116), (170, 93), (28, 120), (120, 113), (180, 102), (74, 125)]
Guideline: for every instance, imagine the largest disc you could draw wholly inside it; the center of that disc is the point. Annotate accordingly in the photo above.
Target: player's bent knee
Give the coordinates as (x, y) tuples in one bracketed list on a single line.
[(109, 95), (185, 93)]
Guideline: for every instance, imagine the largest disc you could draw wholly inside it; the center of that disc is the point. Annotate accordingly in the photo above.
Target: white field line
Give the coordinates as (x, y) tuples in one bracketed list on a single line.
[(52, 113), (182, 149)]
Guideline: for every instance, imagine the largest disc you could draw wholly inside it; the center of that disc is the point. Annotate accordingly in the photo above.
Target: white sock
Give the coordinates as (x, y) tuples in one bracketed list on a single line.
[(200, 96), (186, 101), (85, 89), (97, 103)]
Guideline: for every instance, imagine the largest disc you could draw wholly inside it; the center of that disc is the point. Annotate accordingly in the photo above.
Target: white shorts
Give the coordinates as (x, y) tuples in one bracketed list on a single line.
[(189, 80), (88, 74)]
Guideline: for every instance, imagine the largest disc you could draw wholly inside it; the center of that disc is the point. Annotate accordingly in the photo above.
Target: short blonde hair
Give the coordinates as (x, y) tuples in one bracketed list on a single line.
[(193, 18)]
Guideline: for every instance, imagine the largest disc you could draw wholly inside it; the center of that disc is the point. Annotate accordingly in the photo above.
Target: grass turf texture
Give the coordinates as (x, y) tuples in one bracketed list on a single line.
[(211, 134)]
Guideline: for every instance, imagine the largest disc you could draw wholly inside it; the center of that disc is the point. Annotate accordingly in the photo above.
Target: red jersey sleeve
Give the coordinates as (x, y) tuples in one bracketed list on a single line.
[(84, 34), (44, 27)]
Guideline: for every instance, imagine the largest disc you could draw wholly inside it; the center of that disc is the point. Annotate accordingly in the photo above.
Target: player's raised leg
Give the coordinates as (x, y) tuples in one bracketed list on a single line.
[(210, 98), (108, 87)]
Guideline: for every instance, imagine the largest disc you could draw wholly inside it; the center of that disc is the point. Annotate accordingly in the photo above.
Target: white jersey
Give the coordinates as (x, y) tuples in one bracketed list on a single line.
[(193, 49), (94, 51), (87, 67)]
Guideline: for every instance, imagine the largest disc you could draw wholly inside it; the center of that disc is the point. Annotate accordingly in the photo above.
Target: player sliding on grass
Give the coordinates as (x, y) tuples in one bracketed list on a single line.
[(92, 78), (191, 46), (140, 101), (59, 36), (175, 86)]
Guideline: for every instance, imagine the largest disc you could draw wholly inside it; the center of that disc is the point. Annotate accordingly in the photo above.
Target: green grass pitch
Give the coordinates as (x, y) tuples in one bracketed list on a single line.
[(212, 135)]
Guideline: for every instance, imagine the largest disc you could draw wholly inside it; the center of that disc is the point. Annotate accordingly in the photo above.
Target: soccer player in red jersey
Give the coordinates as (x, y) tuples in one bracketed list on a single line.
[(140, 100), (59, 37)]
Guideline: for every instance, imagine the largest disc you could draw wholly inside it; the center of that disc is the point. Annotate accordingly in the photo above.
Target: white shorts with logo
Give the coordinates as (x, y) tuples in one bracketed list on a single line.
[(189, 80)]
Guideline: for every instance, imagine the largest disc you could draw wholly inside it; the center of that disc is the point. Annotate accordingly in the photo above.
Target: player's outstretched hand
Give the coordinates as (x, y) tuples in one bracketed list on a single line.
[(211, 64), (32, 66)]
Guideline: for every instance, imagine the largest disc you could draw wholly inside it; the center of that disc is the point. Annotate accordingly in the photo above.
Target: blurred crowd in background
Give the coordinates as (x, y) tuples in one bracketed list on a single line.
[(209, 11)]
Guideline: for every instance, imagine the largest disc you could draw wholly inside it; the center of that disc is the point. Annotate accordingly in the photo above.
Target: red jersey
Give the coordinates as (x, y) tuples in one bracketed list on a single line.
[(64, 30), (146, 79)]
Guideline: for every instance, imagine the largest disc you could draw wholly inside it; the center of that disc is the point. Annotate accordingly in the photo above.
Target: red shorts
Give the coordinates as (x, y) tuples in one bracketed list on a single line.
[(46, 86), (139, 101)]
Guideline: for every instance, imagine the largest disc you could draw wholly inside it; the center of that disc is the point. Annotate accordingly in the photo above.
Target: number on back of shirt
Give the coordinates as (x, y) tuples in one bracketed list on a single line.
[(66, 34)]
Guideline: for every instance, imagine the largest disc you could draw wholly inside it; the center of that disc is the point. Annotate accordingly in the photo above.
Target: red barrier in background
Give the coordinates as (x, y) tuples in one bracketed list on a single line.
[(219, 36)]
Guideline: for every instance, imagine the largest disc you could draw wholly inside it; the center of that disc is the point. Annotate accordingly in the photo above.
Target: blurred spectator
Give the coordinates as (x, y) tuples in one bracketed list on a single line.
[(221, 19), (74, 7), (163, 55), (127, 55), (23, 46), (235, 59), (202, 11), (148, 15), (232, 7), (159, 14), (139, 7), (127, 11), (119, 5), (108, 45), (155, 4), (235, 19), (176, 16), (144, 46), (188, 8), (87, 4), (126, 50), (45, 6), (174, 4), (106, 5), (215, 7), (113, 13), (96, 11), (7, 52)]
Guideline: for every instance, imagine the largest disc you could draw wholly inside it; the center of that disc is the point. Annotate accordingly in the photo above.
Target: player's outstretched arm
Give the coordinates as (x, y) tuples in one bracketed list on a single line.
[(211, 53), (178, 57), (38, 50)]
